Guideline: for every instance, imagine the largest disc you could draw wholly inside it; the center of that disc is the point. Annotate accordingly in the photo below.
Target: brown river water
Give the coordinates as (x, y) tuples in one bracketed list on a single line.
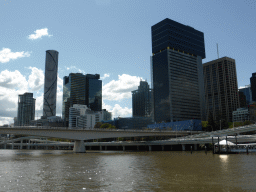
[(56, 170)]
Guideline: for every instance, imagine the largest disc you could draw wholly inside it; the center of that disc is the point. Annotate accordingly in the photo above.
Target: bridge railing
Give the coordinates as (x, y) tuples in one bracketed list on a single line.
[(99, 129)]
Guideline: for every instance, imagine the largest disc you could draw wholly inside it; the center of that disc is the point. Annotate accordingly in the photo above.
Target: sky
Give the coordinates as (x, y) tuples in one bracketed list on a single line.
[(111, 38)]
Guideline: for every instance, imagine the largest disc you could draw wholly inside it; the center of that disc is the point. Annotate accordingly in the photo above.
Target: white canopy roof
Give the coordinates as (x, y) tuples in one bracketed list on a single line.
[(224, 142)]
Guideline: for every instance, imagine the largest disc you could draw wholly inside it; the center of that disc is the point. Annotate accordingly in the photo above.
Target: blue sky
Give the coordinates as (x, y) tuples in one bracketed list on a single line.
[(111, 38)]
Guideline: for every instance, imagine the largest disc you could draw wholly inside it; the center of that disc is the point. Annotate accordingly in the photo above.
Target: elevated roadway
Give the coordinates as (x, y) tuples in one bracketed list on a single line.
[(79, 135)]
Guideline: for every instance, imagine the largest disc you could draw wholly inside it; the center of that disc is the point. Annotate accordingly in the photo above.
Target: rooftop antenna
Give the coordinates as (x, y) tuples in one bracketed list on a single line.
[(217, 50)]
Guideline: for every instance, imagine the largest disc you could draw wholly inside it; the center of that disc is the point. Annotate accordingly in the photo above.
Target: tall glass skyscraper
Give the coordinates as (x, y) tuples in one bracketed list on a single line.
[(81, 89), (221, 88), (26, 109), (50, 83), (177, 72), (247, 92), (142, 101)]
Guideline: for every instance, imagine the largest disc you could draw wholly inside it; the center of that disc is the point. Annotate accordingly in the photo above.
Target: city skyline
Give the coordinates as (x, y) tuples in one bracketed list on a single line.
[(112, 38)]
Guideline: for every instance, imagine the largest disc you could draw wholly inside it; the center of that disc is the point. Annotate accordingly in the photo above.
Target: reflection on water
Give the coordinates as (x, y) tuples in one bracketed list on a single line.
[(224, 158), (27, 170)]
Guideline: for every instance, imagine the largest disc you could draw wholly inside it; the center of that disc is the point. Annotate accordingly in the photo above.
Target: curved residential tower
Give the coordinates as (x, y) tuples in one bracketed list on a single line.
[(50, 83)]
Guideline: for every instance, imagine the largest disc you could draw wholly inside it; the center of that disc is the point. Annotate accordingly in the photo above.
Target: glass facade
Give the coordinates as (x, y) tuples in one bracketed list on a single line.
[(248, 94), (221, 90), (50, 83), (95, 94), (73, 92), (26, 109), (142, 101), (161, 87), (81, 89), (176, 67), (169, 33)]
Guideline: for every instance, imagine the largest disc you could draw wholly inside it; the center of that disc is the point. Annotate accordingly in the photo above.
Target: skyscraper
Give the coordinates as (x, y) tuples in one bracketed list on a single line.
[(50, 83), (93, 92), (81, 89), (247, 92), (242, 99), (26, 109), (253, 86), (221, 87), (177, 72), (142, 101)]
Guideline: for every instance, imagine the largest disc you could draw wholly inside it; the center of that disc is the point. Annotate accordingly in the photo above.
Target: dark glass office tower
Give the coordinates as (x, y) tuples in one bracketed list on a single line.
[(73, 92), (81, 89), (221, 87), (177, 72), (26, 109), (253, 86), (94, 92), (247, 92), (242, 99), (142, 101)]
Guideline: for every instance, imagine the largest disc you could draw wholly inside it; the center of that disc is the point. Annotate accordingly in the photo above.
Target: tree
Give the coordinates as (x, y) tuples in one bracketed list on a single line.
[(107, 126), (98, 125)]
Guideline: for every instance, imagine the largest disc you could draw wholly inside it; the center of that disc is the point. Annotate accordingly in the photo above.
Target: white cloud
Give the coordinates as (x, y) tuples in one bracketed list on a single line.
[(6, 55), (12, 79), (36, 79), (105, 76), (39, 33), (117, 110), (74, 69), (120, 89), (6, 120), (122, 112), (107, 107)]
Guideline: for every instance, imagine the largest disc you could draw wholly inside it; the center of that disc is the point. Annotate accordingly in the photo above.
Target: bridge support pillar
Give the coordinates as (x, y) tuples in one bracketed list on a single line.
[(183, 147), (162, 147), (79, 147), (5, 146), (123, 148), (195, 147), (21, 141), (149, 148), (100, 148), (12, 144)]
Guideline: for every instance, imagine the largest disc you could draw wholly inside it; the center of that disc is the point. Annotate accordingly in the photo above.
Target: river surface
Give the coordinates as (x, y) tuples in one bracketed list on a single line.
[(42, 170)]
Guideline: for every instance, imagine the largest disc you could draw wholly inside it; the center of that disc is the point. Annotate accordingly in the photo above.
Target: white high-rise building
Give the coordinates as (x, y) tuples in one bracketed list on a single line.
[(80, 116)]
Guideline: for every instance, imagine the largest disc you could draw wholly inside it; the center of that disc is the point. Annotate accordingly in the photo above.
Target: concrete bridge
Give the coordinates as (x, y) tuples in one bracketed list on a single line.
[(189, 137), (34, 143), (79, 135)]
